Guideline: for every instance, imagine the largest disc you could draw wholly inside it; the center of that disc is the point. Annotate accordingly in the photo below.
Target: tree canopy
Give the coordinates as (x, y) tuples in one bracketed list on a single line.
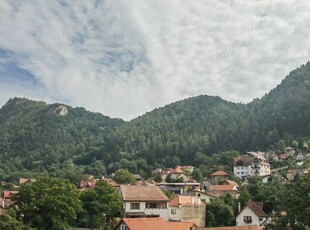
[(48, 203)]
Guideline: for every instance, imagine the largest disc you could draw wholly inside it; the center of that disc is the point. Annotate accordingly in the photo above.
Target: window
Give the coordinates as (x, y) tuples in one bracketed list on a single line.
[(247, 219), (156, 205), (173, 211), (124, 227), (134, 205)]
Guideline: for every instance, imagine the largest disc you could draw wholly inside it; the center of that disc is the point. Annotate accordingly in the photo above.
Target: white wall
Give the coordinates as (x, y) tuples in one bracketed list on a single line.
[(161, 212), (247, 212), (177, 216)]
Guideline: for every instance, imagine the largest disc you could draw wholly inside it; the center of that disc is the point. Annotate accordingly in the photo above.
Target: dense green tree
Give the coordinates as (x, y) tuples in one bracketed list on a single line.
[(197, 174), (48, 203), (123, 176), (295, 201), (219, 214), (100, 206), (10, 223)]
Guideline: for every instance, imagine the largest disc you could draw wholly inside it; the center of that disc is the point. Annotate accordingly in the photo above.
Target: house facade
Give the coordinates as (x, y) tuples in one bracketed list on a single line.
[(144, 201), (251, 164), (252, 214), (187, 208), (219, 190)]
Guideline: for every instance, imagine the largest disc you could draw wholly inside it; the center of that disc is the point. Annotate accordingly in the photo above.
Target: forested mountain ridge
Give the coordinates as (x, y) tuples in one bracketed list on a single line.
[(38, 137), (35, 135)]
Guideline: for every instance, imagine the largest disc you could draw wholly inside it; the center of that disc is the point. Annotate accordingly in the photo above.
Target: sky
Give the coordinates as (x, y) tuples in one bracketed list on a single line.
[(124, 58)]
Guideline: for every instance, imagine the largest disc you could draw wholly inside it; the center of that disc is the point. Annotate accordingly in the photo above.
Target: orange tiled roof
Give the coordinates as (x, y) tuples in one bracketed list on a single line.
[(156, 224), (23, 180), (111, 182), (231, 182), (180, 225), (220, 173), (142, 193), (226, 187), (183, 200), (249, 227), (146, 223), (256, 208)]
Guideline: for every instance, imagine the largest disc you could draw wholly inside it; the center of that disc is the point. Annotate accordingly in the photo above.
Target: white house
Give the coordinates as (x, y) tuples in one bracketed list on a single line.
[(144, 201), (253, 163), (252, 214)]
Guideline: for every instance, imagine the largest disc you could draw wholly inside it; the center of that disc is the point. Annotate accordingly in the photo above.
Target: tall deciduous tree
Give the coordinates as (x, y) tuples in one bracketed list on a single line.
[(100, 205), (123, 176), (48, 203), (295, 201), (219, 214)]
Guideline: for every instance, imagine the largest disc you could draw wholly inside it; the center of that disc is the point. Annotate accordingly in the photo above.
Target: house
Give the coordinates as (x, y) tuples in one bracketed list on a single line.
[(271, 156), (187, 208), (253, 163), (289, 151), (144, 201), (249, 227), (179, 188), (175, 177), (252, 214), (218, 175), (112, 183), (153, 224), (8, 195), (204, 196), (267, 179), (283, 156), (300, 157), (230, 182), (219, 190)]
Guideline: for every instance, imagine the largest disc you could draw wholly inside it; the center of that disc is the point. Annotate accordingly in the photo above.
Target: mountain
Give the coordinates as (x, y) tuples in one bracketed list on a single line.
[(35, 135), (38, 137)]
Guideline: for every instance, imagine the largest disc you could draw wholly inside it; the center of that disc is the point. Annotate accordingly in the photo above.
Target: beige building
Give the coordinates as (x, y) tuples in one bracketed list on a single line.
[(144, 201), (186, 208)]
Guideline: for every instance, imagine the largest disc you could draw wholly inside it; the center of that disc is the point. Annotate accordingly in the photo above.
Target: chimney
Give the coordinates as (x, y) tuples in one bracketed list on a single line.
[(239, 207)]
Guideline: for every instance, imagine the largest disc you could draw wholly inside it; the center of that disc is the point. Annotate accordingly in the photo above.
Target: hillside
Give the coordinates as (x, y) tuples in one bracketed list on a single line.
[(38, 137), (35, 135)]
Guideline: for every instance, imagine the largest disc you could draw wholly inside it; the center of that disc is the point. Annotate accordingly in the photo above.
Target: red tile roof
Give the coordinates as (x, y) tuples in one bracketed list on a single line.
[(9, 194), (142, 193), (231, 182), (225, 187), (249, 227), (256, 208), (220, 173), (181, 225), (183, 200), (145, 223), (155, 224)]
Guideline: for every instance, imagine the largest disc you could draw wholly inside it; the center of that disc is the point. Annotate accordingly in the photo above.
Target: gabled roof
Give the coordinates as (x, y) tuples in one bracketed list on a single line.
[(180, 225), (9, 194), (184, 200), (142, 193), (257, 208), (110, 182), (226, 187), (219, 173), (146, 223), (231, 182), (155, 224), (249, 227)]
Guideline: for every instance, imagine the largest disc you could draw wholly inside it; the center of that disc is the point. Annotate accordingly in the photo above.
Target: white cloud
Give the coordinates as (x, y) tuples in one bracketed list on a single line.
[(123, 58)]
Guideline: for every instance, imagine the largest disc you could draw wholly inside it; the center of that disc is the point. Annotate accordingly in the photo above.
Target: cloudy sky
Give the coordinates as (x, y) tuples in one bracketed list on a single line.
[(123, 58)]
